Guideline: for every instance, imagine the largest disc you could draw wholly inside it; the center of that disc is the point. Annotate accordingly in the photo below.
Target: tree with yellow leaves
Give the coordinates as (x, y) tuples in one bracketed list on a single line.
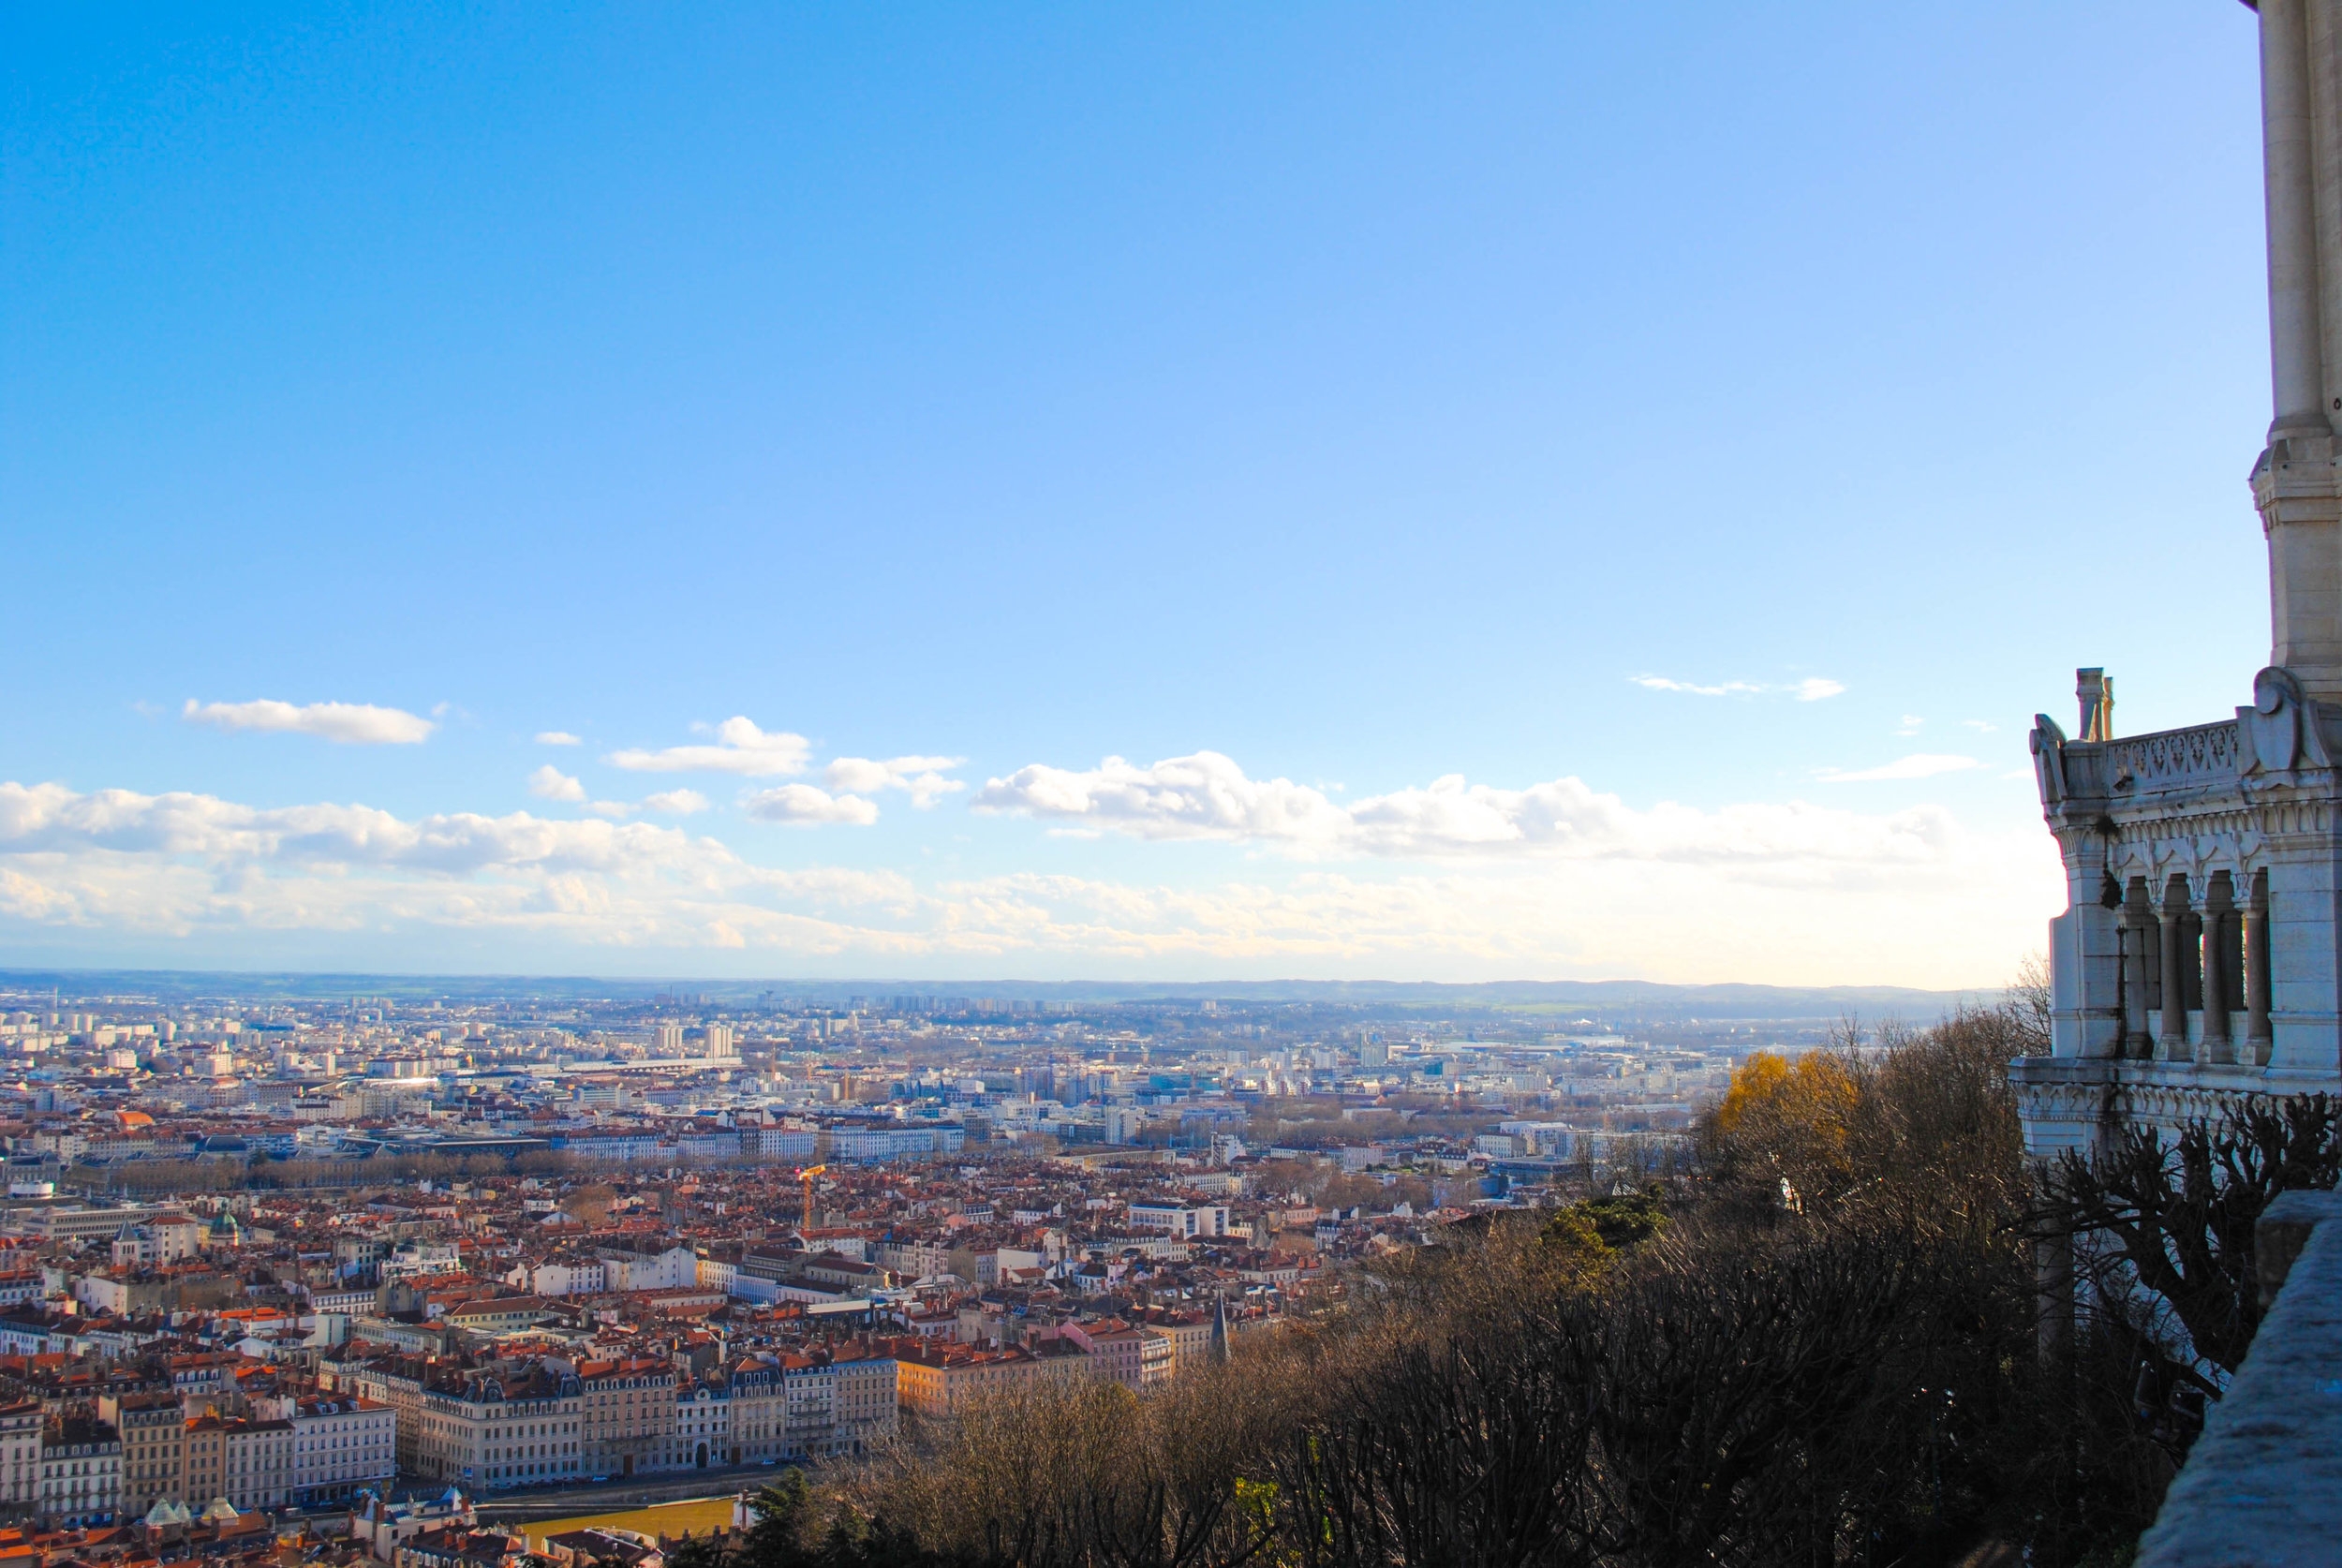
[(1791, 1120)]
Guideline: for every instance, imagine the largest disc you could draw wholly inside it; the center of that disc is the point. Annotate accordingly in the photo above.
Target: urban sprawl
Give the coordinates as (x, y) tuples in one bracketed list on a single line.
[(345, 1266)]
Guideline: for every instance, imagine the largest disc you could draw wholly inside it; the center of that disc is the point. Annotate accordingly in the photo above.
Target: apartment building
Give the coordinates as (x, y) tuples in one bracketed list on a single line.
[(342, 1445), (399, 1387), (165, 1238), (808, 1408), (257, 1463), (760, 1420), (206, 1459), (785, 1142), (1177, 1219), (1135, 1357), (653, 1268), (935, 1379), (202, 1376), (702, 1425), (503, 1427), (915, 1260), (20, 1452), (570, 1277), (1189, 1334), (871, 1144), (154, 1431), (866, 1400), (80, 1472), (627, 1416)]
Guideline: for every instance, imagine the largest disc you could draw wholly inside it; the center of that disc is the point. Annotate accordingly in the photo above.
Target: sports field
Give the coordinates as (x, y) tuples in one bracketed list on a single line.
[(698, 1515)]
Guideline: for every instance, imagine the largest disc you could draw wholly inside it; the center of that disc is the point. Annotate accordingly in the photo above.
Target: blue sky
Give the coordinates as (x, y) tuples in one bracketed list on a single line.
[(1319, 402)]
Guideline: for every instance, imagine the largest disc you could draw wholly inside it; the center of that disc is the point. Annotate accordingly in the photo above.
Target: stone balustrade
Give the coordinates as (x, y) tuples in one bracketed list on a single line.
[(2173, 759), (2262, 1487)]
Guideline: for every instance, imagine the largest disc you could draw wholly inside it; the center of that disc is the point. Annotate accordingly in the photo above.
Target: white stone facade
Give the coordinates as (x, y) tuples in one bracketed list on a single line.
[(80, 1473), (342, 1446), (2200, 957), (19, 1451)]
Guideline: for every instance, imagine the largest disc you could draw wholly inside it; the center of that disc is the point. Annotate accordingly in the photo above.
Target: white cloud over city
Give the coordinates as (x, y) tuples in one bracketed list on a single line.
[(739, 747), (1919, 764), (921, 777), (1552, 879), (1209, 795), (550, 783), (806, 806), (345, 723), (1813, 689)]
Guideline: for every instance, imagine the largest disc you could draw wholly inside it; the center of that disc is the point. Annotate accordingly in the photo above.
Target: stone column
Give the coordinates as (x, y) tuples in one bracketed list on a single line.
[(2053, 1281), (2219, 967), (2294, 483), (2138, 920), (2296, 357), (2173, 1040), (2325, 72), (2258, 1037)]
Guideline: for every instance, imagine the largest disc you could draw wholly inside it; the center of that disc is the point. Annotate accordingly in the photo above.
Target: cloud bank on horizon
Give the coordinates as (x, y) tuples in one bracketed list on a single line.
[(1208, 795), (1445, 879), (1430, 881)]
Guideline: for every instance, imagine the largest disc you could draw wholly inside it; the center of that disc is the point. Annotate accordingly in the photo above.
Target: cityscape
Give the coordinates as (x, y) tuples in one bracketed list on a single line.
[(294, 1252), (1192, 787)]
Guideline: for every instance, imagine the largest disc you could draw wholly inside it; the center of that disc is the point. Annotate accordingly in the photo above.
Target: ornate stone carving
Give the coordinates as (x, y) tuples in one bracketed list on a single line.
[(2174, 758), (2283, 730), (2048, 744)]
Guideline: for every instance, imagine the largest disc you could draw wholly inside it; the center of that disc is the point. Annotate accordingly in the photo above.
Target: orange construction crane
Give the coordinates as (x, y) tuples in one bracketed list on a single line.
[(806, 1178)]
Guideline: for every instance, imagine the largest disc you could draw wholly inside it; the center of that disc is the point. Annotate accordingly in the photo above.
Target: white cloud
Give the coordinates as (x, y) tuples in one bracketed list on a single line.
[(1813, 689), (666, 803), (1725, 689), (1208, 795), (1920, 764), (557, 737), (1205, 795), (550, 783), (804, 806), (348, 723), (1738, 894), (1983, 727), (50, 819), (923, 777), (740, 747)]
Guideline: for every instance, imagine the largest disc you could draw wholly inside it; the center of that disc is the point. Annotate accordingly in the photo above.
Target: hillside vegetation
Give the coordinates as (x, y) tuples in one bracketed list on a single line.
[(1822, 1349)]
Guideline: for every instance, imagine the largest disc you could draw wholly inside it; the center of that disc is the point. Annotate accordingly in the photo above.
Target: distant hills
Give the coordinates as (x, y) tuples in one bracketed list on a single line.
[(1598, 1000)]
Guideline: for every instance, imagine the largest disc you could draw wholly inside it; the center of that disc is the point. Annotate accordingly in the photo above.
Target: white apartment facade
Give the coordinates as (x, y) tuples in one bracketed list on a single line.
[(259, 1465), (570, 1277), (702, 1426), (1177, 1219), (341, 1447), (20, 1452), (80, 1473), (672, 1269), (866, 1402)]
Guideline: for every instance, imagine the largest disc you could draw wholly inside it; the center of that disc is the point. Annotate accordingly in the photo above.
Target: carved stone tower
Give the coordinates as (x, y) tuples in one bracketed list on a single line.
[(2200, 955)]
